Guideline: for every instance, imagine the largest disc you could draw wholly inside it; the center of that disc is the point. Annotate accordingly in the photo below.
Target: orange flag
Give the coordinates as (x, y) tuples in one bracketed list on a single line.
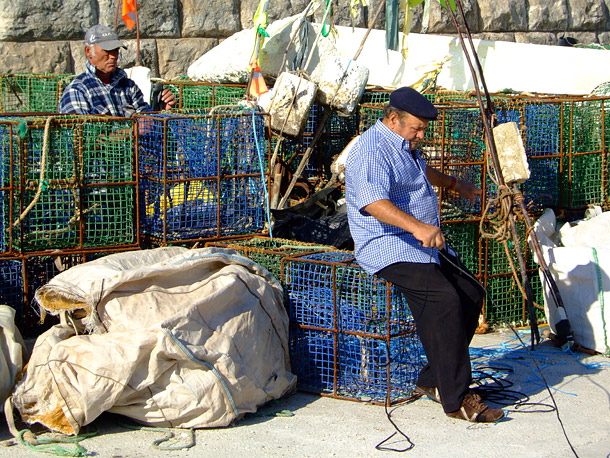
[(129, 13), (257, 82)]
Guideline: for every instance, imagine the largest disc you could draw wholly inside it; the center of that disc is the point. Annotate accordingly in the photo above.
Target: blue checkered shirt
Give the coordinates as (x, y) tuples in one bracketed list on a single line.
[(86, 94), (381, 166)]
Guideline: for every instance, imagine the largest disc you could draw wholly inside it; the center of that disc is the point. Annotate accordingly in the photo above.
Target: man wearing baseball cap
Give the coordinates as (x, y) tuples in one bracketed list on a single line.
[(394, 219), (104, 88)]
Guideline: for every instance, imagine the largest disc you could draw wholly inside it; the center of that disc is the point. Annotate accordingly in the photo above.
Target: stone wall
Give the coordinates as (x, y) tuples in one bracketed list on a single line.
[(38, 36)]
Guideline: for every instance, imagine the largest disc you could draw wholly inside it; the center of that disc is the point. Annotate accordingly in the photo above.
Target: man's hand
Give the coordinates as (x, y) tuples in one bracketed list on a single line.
[(467, 190), (168, 99), (429, 236)]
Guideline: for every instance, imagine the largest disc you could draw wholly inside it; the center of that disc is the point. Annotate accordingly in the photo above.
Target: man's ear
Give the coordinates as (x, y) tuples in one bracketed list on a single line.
[(88, 53)]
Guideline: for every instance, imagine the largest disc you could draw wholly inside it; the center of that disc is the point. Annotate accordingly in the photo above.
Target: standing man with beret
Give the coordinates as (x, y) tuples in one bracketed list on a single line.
[(104, 88), (395, 223)]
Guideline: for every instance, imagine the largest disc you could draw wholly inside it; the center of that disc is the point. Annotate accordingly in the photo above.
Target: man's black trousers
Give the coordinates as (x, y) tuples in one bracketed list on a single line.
[(446, 304)]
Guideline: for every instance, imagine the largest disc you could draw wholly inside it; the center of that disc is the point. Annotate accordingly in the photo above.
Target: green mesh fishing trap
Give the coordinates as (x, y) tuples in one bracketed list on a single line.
[(75, 190), (31, 92)]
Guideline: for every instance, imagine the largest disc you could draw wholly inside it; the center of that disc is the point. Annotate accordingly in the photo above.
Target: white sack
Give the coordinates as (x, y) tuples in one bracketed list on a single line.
[(582, 276), (12, 352), (341, 80), (179, 338), (141, 76)]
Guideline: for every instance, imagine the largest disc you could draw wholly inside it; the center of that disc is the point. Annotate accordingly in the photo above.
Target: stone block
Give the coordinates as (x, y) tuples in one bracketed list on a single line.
[(603, 38), (175, 56), (504, 16), (583, 38), (441, 22), (495, 36), (158, 18), (148, 55), (277, 10), (586, 15), (31, 20), (36, 57), (547, 16), (219, 18), (289, 103)]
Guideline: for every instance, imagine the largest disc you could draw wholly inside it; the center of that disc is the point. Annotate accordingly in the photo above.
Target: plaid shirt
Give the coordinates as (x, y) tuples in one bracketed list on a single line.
[(86, 94), (381, 166)]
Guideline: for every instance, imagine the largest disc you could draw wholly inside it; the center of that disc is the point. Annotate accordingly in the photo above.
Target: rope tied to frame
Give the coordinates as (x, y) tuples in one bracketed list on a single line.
[(497, 213), (42, 183)]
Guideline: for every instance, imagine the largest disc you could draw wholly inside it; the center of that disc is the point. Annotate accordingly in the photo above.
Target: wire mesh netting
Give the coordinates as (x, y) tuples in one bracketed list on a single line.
[(269, 252), (351, 333), (376, 370), (464, 238), (198, 96), (30, 92), (77, 191), (12, 290), (203, 176), (584, 180)]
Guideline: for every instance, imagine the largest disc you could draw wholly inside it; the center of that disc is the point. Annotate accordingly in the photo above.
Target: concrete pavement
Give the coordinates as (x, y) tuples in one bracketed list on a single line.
[(306, 425)]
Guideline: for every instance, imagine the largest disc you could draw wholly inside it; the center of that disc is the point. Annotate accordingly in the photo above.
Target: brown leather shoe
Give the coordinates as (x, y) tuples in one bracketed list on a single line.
[(431, 392), (475, 410)]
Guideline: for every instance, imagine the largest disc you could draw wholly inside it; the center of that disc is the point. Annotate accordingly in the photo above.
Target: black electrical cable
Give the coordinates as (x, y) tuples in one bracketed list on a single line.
[(556, 409), (499, 394), (380, 446)]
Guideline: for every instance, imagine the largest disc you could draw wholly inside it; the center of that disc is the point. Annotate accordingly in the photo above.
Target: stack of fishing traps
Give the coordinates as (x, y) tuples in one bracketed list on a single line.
[(202, 175), (351, 334), (566, 142), (68, 193)]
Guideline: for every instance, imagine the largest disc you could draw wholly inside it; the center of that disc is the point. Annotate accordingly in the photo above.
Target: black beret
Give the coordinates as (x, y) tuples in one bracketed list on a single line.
[(409, 100)]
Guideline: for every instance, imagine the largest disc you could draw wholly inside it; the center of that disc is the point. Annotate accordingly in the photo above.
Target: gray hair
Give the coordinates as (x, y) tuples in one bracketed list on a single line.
[(91, 49), (389, 109)]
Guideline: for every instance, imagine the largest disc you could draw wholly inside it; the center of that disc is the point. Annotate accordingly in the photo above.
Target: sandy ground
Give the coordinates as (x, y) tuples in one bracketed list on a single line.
[(316, 426)]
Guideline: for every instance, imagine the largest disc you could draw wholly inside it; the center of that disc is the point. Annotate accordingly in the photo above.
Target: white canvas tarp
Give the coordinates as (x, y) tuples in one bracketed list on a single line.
[(169, 337)]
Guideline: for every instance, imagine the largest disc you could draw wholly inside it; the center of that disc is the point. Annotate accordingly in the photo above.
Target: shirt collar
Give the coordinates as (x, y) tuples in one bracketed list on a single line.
[(392, 137)]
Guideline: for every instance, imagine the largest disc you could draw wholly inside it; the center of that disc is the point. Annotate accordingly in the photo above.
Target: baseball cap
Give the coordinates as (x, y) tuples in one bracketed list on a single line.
[(104, 37), (409, 100)]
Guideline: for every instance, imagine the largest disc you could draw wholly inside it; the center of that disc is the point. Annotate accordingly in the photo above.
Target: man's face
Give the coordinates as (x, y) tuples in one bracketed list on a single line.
[(409, 127), (104, 61)]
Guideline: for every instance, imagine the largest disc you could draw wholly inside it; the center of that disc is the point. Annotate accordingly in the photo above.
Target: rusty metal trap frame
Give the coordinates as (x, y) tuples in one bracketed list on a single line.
[(198, 96), (269, 252), (351, 334), (203, 176), (67, 182), (31, 92)]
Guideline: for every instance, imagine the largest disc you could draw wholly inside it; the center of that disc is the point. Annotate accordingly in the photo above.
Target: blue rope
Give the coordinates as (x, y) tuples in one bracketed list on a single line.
[(193, 358), (260, 164)]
